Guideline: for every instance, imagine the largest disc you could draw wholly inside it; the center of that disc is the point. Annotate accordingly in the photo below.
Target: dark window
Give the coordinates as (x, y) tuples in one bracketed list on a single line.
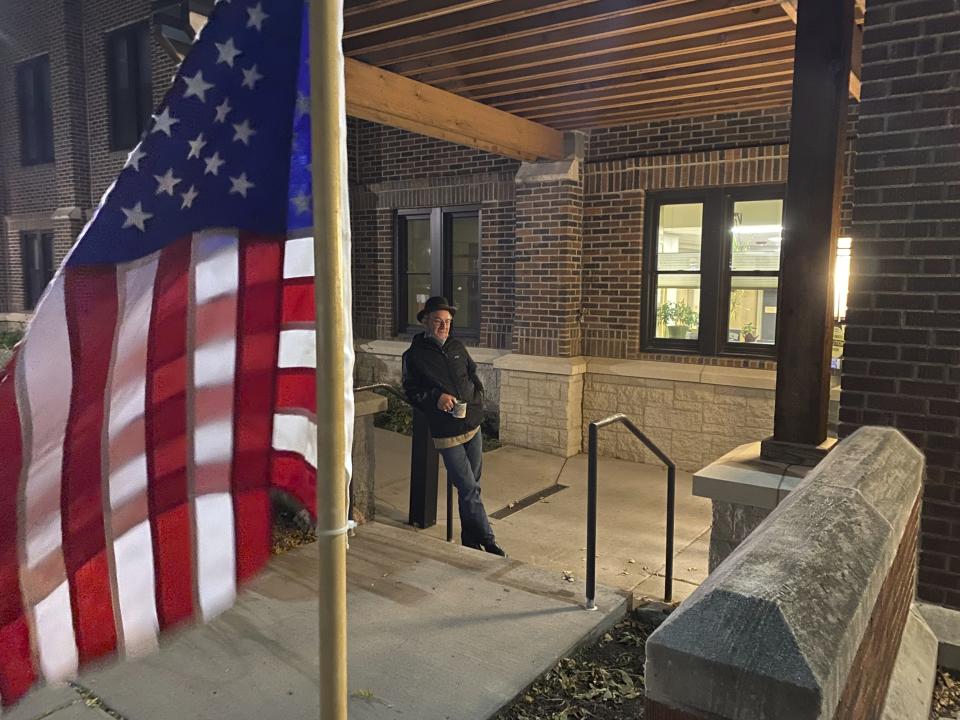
[(128, 77), (438, 253), (36, 113), (712, 270), (36, 251)]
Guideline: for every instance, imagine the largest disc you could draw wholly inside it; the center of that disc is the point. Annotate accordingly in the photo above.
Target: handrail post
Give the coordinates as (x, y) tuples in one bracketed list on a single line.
[(592, 518), (671, 504)]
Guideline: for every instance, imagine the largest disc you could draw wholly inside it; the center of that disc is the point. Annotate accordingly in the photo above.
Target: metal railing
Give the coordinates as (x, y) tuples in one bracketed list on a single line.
[(423, 462), (591, 589)]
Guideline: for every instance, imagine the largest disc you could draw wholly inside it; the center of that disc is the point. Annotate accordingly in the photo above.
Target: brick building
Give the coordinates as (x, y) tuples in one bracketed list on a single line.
[(638, 274)]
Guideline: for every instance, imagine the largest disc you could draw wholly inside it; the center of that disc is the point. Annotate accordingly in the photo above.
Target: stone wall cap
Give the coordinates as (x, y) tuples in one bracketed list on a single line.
[(542, 364), (368, 403), (739, 377), (786, 612), (544, 172), (650, 369)]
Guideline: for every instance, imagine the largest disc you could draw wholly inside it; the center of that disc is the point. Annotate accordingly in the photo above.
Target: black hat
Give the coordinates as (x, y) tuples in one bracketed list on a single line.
[(437, 302)]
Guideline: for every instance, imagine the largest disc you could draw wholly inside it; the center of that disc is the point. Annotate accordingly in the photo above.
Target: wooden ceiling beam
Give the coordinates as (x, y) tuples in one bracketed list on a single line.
[(719, 47), (469, 24), (634, 45), (789, 8), (678, 81), (390, 99), (675, 19), (665, 98), (579, 22), (697, 109), (373, 16)]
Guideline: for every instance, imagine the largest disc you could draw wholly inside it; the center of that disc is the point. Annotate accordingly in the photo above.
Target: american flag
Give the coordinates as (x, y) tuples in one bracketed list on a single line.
[(166, 382)]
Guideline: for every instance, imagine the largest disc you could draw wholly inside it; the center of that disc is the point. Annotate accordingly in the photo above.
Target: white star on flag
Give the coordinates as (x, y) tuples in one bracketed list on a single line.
[(166, 182), (257, 16), (196, 86), (136, 217), (196, 145), (134, 158), (227, 52), (223, 109), (243, 132), (250, 77), (240, 185), (188, 197), (213, 164), (301, 201), (164, 122), (303, 105)]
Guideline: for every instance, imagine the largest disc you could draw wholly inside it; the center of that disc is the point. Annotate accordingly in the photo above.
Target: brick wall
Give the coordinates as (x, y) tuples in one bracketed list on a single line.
[(903, 338), (391, 169)]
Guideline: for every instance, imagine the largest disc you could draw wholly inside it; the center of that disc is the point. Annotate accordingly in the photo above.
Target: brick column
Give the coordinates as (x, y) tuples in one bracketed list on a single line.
[(903, 338), (549, 244), (372, 240)]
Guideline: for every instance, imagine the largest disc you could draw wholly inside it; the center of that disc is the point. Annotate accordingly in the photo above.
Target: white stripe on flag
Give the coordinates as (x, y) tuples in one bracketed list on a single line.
[(47, 383), (216, 278), (295, 433), (56, 645), (132, 546), (298, 349), (298, 258)]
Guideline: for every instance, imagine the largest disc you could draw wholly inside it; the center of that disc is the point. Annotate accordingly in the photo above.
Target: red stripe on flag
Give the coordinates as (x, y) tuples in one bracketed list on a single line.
[(298, 302), (17, 673), (258, 327), (91, 309), (291, 473), (297, 389), (166, 433)]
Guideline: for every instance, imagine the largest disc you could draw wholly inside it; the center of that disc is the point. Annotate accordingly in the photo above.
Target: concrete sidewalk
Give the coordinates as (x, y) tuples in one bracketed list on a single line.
[(551, 533), (433, 635)]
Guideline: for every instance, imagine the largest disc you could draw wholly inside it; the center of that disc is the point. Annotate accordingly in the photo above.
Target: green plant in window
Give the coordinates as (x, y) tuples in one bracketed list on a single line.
[(678, 318), (749, 332)]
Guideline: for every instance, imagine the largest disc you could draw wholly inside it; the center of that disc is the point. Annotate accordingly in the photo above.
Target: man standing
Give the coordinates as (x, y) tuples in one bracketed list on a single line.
[(440, 378)]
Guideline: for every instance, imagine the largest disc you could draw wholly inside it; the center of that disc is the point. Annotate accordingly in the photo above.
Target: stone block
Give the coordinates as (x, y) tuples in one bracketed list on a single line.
[(668, 417), (694, 392), (775, 629), (546, 389)]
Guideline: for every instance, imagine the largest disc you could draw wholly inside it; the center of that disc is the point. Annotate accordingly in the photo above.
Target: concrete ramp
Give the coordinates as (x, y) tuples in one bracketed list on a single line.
[(436, 631)]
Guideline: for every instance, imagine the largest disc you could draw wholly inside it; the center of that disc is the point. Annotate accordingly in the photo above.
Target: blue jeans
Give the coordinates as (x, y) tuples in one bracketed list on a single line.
[(464, 464)]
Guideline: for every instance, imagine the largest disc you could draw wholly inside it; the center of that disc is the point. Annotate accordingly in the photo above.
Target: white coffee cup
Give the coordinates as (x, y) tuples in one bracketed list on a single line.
[(459, 409)]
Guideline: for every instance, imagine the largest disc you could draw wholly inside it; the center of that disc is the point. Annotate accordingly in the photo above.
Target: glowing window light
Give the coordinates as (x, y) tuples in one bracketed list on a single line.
[(841, 279)]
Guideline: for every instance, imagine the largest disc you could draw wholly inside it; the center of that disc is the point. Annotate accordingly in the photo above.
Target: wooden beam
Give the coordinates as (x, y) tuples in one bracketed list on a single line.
[(634, 45), (658, 22), (698, 109), (600, 96), (725, 100), (581, 21), (811, 223), (463, 24), (378, 15), (789, 8), (720, 47), (390, 99)]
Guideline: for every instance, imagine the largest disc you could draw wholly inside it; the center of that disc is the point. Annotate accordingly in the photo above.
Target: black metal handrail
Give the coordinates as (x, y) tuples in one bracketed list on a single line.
[(399, 395), (591, 589)]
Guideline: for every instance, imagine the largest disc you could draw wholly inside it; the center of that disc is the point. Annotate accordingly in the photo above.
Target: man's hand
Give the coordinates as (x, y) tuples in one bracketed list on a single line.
[(446, 402)]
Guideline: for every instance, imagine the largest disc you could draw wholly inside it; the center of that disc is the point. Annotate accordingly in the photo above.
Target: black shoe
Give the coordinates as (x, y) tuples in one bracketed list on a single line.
[(472, 546), (494, 549)]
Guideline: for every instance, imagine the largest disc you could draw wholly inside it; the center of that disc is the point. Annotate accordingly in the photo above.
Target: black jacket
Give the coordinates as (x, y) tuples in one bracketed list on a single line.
[(430, 370)]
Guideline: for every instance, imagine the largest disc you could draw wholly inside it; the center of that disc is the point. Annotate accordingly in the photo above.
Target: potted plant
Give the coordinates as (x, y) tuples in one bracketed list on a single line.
[(678, 317), (749, 332)]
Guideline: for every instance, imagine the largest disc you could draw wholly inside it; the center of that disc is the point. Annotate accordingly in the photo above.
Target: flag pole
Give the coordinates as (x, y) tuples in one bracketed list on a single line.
[(327, 112)]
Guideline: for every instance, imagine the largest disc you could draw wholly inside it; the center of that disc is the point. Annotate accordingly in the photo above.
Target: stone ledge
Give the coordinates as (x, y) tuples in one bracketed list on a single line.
[(914, 672), (548, 172), (368, 403), (945, 624), (794, 601), (541, 364), (684, 372), (742, 477)]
